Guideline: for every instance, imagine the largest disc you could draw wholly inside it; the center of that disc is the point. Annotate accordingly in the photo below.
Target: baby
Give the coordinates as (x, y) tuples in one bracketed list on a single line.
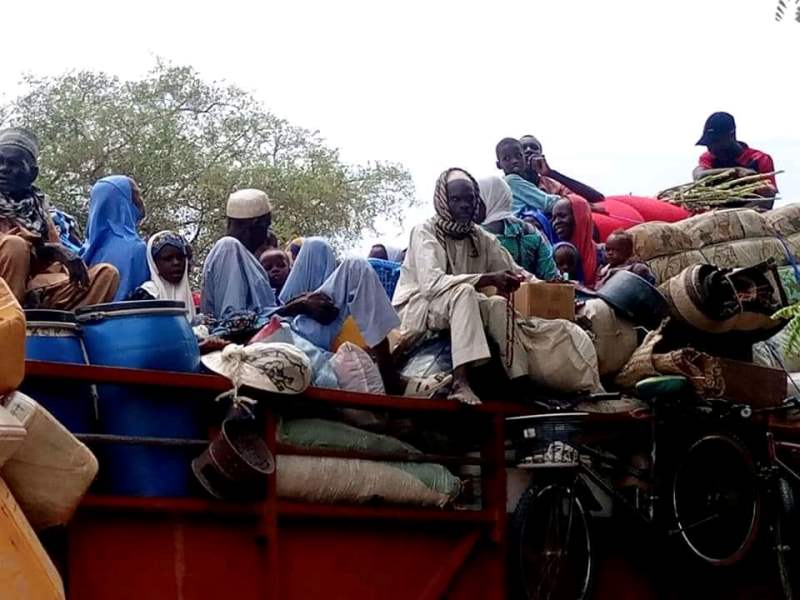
[(620, 256)]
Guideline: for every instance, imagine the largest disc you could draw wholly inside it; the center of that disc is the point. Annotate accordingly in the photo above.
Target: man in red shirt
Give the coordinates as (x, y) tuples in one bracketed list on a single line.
[(726, 152)]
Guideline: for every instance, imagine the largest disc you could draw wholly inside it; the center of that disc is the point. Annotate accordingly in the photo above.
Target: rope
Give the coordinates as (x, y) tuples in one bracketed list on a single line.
[(511, 329)]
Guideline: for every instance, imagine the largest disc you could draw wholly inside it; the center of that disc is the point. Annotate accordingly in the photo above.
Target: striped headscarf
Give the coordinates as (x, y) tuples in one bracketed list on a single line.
[(446, 226)]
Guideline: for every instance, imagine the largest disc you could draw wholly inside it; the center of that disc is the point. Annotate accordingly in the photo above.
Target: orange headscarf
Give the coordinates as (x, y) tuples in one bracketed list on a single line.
[(582, 238)]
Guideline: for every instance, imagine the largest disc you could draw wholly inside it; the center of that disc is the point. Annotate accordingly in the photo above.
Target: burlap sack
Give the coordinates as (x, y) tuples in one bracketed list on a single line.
[(785, 220), (665, 268), (720, 226), (745, 253), (614, 338), (332, 480), (640, 365), (560, 355), (656, 238), (51, 471)]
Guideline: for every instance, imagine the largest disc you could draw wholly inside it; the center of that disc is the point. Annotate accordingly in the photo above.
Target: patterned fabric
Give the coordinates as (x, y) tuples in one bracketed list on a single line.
[(446, 226), (273, 367), (67, 228), (29, 212), (167, 238)]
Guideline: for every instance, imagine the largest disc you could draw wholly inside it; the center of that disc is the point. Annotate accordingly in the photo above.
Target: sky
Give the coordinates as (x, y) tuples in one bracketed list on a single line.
[(617, 91)]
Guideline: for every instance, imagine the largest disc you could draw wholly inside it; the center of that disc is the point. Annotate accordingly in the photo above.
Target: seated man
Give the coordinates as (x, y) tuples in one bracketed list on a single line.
[(449, 258), (33, 262), (724, 151), (234, 281), (551, 181)]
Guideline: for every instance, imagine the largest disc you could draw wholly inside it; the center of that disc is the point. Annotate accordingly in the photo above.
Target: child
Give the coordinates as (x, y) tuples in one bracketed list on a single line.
[(568, 261), (168, 260), (620, 257), (277, 265)]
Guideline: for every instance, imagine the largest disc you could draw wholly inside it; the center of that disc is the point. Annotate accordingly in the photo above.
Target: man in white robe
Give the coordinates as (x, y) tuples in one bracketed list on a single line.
[(449, 259)]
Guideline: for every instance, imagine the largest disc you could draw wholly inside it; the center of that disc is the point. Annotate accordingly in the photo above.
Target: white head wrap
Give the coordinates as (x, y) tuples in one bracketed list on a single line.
[(497, 196)]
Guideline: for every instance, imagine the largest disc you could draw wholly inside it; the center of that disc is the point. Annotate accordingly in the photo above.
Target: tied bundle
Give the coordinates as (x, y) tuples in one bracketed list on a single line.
[(717, 190)]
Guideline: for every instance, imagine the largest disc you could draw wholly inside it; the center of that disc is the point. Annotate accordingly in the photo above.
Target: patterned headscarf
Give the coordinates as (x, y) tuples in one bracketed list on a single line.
[(167, 238), (446, 226), (28, 212)]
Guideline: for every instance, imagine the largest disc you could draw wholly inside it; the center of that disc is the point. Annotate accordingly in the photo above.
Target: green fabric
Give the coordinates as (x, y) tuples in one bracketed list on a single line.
[(529, 250), (331, 435), (790, 285)]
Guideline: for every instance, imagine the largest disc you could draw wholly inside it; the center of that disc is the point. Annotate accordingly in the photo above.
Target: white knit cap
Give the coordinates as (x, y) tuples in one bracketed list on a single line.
[(248, 204)]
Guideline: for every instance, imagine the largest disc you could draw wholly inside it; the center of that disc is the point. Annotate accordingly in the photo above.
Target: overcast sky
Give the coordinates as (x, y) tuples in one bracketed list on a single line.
[(617, 91)]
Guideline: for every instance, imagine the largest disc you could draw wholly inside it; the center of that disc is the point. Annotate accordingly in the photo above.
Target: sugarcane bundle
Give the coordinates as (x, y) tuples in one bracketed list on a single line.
[(717, 190)]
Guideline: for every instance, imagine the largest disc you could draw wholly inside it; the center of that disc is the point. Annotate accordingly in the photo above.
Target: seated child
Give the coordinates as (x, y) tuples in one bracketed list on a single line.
[(620, 257), (568, 260), (277, 265)]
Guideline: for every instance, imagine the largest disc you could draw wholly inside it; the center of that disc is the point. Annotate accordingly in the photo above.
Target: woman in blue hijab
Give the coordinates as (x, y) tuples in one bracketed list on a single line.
[(115, 211), (314, 264)]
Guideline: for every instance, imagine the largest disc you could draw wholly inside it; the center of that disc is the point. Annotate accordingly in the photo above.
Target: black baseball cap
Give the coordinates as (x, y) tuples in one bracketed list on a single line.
[(717, 125)]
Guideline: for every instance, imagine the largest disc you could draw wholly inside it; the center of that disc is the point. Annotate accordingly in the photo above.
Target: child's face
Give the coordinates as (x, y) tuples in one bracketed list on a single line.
[(276, 264), (618, 250), (566, 261), (171, 264), (511, 160)]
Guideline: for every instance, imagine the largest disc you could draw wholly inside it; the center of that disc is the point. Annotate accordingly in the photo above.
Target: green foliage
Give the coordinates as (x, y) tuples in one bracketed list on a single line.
[(188, 143), (792, 312)]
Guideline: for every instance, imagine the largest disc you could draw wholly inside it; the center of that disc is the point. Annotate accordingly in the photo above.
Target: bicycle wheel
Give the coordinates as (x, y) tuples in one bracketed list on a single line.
[(551, 546), (784, 538), (716, 500)]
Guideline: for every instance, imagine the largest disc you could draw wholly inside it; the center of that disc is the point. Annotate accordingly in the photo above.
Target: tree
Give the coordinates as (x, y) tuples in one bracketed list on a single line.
[(188, 143)]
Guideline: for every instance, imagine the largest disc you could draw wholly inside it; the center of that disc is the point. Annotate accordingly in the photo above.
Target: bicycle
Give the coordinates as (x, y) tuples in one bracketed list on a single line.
[(701, 485)]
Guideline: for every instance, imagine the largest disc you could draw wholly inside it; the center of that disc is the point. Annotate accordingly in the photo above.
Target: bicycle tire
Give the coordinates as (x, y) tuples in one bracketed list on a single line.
[(537, 581), (784, 541), (743, 476)]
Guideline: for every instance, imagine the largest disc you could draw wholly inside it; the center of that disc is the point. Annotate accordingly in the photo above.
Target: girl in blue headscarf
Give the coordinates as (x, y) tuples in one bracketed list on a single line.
[(115, 211), (569, 262)]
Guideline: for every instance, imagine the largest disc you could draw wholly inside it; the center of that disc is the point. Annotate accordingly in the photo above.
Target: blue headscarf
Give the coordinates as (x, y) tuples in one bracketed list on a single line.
[(112, 236), (579, 263), (315, 263), (544, 223)]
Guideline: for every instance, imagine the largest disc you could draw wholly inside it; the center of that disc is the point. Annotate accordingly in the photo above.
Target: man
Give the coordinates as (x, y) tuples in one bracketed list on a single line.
[(235, 281), (724, 151), (39, 270), (449, 259), (552, 181)]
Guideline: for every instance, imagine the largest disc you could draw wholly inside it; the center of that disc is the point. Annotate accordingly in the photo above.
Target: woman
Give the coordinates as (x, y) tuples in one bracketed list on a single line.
[(115, 211), (527, 247), (572, 220), (314, 263), (168, 261)]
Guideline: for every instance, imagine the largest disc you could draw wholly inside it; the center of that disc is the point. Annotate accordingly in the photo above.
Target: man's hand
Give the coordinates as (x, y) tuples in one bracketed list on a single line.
[(319, 307), (539, 165), (740, 172), (78, 273), (506, 282)]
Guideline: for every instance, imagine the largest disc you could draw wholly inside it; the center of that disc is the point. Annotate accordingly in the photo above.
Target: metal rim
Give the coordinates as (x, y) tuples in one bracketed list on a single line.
[(686, 529), (576, 511)]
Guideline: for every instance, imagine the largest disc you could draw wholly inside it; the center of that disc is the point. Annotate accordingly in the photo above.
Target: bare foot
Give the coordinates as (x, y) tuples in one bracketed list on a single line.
[(462, 391)]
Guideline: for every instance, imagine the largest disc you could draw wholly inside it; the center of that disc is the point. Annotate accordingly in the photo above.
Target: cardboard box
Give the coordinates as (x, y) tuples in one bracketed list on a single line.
[(546, 300)]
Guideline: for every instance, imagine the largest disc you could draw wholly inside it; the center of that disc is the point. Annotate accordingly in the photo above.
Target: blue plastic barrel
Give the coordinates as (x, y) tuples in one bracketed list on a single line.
[(53, 335), (145, 335)]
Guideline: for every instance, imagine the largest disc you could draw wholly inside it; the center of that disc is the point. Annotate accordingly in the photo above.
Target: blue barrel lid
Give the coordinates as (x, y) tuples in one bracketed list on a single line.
[(144, 307), (50, 316)]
